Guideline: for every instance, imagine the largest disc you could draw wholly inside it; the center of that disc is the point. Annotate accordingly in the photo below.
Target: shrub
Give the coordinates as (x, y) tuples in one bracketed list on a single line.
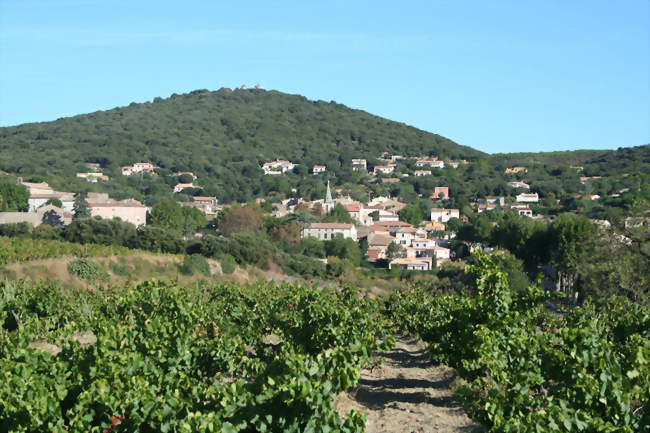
[(228, 263), (195, 262), (119, 269), (87, 270)]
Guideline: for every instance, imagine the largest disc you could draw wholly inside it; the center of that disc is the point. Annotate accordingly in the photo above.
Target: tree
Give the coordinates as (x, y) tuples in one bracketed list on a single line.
[(185, 178), (411, 214), (54, 202), (80, 207), (289, 232), (194, 219), (395, 250), (14, 196), (239, 219), (339, 215), (454, 225), (168, 215), (52, 218), (570, 235), (345, 249)]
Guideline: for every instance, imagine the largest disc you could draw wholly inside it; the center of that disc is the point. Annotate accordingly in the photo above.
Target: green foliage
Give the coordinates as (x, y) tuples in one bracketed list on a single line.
[(22, 249), (528, 370), (345, 249), (119, 269), (228, 263), (411, 214), (87, 270), (339, 215), (14, 196), (80, 207), (168, 215), (195, 262), (54, 202), (162, 358), (245, 129)]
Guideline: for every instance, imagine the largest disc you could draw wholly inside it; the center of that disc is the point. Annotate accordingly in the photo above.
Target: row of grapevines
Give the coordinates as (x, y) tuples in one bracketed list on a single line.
[(528, 370), (20, 249), (205, 358)]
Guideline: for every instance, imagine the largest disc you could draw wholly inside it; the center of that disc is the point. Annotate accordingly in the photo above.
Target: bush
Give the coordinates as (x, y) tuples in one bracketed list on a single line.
[(228, 263), (119, 269), (195, 262), (16, 229), (87, 270)]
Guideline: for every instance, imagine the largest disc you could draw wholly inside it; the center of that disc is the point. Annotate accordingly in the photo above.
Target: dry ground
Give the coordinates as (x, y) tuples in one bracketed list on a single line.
[(408, 393)]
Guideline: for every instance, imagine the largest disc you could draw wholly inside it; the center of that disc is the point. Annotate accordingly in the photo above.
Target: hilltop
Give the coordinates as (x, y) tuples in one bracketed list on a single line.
[(222, 136)]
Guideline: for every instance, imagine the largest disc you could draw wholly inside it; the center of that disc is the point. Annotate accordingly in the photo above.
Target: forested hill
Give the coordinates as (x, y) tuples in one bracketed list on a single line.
[(220, 135)]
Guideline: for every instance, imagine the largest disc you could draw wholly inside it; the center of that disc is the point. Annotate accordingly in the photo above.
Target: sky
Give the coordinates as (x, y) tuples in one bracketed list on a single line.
[(499, 76)]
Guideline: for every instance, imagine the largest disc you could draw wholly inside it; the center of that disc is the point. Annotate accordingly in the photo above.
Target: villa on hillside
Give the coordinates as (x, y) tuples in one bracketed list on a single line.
[(383, 169), (327, 231), (279, 166), (317, 169), (440, 193), (444, 215), (434, 163), (420, 173), (359, 165), (528, 198), (129, 210), (515, 170), (412, 264), (138, 167)]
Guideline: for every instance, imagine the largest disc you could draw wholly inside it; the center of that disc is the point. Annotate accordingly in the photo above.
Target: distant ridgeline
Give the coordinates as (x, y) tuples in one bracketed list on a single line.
[(223, 137), (220, 141)]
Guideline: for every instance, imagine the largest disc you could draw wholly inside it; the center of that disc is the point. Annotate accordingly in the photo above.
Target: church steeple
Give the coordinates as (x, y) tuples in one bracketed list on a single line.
[(328, 194)]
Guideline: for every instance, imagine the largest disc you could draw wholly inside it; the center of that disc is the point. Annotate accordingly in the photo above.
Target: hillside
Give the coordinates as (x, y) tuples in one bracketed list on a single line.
[(222, 136)]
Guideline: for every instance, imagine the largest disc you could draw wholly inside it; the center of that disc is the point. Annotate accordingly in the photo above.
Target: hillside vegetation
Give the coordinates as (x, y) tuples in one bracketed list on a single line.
[(223, 136)]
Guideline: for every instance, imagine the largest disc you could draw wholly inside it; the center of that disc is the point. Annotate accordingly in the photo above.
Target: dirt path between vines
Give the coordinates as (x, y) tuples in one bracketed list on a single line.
[(408, 393)]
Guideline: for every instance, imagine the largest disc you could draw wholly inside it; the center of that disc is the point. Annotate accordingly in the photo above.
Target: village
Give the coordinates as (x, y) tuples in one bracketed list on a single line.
[(388, 237)]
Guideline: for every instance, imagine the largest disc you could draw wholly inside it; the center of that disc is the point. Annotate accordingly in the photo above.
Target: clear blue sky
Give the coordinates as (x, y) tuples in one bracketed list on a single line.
[(500, 76)]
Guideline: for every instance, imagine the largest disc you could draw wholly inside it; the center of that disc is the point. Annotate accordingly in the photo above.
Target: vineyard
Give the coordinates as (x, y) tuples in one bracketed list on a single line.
[(528, 370), (159, 358), (232, 358), (21, 249)]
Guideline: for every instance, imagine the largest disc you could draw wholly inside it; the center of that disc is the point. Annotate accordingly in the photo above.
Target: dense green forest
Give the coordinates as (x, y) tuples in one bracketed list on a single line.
[(225, 136)]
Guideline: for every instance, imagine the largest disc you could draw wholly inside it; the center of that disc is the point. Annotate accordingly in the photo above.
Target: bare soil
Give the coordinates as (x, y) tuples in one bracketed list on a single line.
[(407, 393)]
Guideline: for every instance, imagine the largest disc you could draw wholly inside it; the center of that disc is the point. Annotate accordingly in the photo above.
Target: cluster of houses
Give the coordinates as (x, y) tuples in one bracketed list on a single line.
[(378, 223), (41, 196), (425, 165)]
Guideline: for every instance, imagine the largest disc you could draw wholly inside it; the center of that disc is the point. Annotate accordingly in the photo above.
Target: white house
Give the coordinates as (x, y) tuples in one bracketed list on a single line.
[(420, 173), (522, 209), (384, 169), (359, 165), (528, 198), (278, 166), (434, 163), (318, 169), (412, 264), (36, 201), (405, 235), (444, 215), (138, 167), (327, 231)]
